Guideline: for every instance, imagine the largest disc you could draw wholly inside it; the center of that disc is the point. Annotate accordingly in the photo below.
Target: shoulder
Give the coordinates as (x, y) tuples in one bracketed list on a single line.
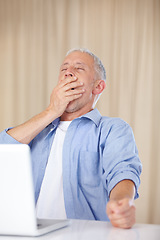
[(114, 127), (112, 122)]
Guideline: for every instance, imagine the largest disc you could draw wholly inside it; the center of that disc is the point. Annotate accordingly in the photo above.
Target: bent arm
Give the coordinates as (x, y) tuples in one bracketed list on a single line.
[(60, 98), (124, 189), (25, 132), (121, 209)]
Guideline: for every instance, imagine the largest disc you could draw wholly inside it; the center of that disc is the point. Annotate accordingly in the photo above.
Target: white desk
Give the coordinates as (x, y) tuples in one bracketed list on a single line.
[(95, 230)]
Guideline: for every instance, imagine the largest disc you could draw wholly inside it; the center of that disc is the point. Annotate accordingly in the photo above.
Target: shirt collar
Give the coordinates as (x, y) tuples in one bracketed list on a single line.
[(94, 116), (51, 127), (56, 122)]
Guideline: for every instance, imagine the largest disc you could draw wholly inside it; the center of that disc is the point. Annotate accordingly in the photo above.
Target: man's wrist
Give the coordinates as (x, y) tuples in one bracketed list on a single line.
[(51, 114)]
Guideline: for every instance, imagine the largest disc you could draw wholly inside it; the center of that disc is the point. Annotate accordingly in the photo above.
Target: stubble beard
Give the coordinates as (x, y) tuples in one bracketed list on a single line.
[(73, 106)]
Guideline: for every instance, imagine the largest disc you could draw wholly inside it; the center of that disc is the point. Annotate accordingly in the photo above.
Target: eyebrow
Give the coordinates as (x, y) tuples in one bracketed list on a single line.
[(77, 63)]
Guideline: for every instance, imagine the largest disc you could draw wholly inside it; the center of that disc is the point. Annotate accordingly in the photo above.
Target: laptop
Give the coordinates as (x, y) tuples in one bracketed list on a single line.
[(17, 202)]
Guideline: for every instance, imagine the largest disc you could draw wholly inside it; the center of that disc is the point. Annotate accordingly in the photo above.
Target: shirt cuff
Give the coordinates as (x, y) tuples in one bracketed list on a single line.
[(5, 138), (125, 176)]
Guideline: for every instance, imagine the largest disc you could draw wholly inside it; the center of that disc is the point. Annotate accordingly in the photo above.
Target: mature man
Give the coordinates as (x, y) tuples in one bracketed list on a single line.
[(85, 166)]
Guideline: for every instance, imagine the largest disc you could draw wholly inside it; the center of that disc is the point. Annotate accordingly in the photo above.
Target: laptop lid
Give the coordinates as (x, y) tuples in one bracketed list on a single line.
[(17, 202)]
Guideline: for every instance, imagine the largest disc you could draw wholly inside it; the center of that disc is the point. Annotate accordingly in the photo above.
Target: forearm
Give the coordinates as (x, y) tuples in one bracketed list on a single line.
[(60, 98), (121, 209), (25, 132), (124, 189)]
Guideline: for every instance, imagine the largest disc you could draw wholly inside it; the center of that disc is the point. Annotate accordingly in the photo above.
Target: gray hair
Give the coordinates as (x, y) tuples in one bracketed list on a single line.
[(98, 66)]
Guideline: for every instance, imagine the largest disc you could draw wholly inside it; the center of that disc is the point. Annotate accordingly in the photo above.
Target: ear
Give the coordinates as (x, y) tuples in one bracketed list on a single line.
[(99, 86)]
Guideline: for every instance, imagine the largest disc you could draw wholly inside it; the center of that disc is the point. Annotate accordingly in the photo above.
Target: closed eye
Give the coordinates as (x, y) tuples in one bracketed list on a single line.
[(63, 69), (80, 68)]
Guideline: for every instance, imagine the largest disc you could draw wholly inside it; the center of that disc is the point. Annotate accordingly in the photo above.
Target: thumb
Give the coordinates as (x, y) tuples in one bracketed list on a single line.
[(112, 206), (124, 205)]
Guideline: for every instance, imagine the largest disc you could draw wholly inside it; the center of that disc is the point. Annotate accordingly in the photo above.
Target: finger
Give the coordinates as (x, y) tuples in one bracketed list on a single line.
[(62, 88), (73, 97), (67, 80), (122, 222), (74, 92), (124, 205), (126, 214), (121, 206), (112, 206), (73, 85), (128, 201)]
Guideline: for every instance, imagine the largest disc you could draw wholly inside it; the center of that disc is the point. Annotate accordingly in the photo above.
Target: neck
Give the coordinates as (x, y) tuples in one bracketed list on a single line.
[(69, 116)]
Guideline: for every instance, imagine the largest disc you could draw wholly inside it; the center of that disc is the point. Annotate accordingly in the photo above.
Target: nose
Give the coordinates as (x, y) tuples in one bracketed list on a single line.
[(69, 72)]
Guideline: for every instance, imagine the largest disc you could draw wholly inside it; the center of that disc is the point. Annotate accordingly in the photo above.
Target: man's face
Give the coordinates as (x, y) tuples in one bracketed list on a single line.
[(80, 65)]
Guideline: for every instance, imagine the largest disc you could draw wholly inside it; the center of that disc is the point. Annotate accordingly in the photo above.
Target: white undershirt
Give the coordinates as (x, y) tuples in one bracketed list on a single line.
[(50, 203)]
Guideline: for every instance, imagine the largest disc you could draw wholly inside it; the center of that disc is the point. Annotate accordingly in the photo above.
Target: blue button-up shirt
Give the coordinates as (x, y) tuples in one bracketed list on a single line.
[(98, 152)]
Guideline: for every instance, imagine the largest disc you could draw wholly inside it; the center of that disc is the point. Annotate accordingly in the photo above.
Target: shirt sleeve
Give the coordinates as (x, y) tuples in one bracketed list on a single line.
[(5, 138), (120, 157)]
